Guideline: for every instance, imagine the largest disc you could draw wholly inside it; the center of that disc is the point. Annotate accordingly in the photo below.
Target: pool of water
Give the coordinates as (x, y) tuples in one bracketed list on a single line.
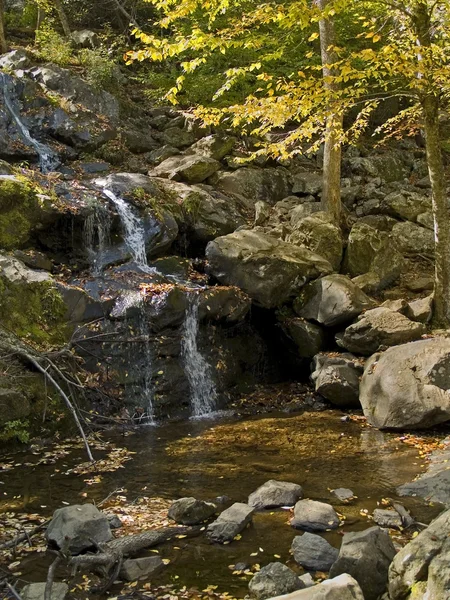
[(224, 456)]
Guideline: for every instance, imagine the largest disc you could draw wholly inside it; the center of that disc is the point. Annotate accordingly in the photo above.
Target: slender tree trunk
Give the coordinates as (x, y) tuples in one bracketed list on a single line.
[(331, 192), (3, 44), (63, 18), (429, 99)]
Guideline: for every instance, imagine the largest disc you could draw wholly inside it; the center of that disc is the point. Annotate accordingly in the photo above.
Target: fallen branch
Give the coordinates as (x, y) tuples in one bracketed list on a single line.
[(24, 536), (13, 591), (50, 578)]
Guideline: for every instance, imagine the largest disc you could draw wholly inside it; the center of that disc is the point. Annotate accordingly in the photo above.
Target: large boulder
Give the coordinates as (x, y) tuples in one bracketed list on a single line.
[(230, 522), (214, 146), (319, 234), (343, 587), (268, 270), (273, 494), (407, 387), (405, 204), (307, 182), (336, 378), (421, 570), (190, 511), (313, 552), (76, 528), (332, 300), (366, 556), (309, 338), (379, 327), (192, 168), (413, 239), (270, 185), (36, 591), (311, 515), (273, 580)]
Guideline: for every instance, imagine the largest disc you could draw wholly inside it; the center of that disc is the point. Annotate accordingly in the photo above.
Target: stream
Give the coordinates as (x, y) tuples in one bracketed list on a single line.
[(227, 456)]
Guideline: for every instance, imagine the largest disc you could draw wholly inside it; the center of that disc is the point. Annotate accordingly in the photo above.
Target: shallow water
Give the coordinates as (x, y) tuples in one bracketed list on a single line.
[(230, 457)]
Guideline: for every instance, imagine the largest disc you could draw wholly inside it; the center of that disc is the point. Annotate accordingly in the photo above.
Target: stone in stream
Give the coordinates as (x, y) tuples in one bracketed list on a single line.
[(336, 378), (408, 386), (140, 568), (343, 587), (387, 518), (275, 579), (423, 564), (366, 556), (313, 552), (77, 527), (229, 523), (273, 494), (311, 515), (36, 591), (344, 494), (190, 511)]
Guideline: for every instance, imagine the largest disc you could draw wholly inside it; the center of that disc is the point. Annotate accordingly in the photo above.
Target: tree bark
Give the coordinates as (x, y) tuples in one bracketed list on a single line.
[(63, 18), (3, 44), (331, 192)]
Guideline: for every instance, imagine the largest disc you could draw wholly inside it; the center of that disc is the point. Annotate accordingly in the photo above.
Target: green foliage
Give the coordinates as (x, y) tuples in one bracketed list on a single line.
[(101, 69), (19, 206), (18, 429), (53, 47)]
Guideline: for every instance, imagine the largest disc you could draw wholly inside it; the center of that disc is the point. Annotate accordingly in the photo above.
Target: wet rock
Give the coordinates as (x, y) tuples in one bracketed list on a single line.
[(413, 239), (387, 518), (421, 310), (36, 591), (307, 182), (336, 378), (366, 556), (308, 337), (134, 569), (343, 494), (192, 168), (268, 270), (76, 527), (320, 235), (270, 185), (190, 511), (311, 515), (376, 328), (273, 580), (332, 300), (313, 552), (273, 494), (343, 587), (423, 564), (214, 146), (228, 304), (34, 259), (406, 387), (229, 523), (92, 168)]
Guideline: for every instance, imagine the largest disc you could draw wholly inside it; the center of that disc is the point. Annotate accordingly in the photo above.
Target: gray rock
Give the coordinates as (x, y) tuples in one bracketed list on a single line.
[(74, 527), (406, 204), (139, 142), (273, 494), (343, 494), (114, 521), (190, 511), (387, 518), (306, 209), (268, 270), (178, 138), (389, 167), (84, 38), (366, 556), (157, 156), (407, 387), (273, 580), (307, 579), (262, 212), (308, 337), (370, 283), (214, 146), (426, 220), (421, 310), (311, 515), (134, 569), (343, 587), (423, 564), (336, 378), (413, 239), (419, 284), (15, 59), (36, 591), (320, 235), (332, 300), (376, 328), (307, 182), (193, 168), (313, 552), (270, 184), (229, 523)]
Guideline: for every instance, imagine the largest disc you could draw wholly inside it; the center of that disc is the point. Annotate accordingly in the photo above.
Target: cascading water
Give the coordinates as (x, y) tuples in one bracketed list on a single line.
[(48, 160), (96, 236), (198, 371), (134, 230), (148, 388)]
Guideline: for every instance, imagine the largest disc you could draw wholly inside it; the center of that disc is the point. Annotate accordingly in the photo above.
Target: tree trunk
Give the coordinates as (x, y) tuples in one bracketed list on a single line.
[(63, 18), (3, 44), (331, 192)]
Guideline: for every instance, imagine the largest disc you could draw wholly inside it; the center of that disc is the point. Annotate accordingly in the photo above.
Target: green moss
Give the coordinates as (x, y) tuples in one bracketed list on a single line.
[(19, 209), (166, 201)]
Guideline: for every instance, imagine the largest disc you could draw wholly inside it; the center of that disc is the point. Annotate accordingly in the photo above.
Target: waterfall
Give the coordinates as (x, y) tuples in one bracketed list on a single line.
[(133, 229), (198, 371), (96, 236), (148, 389), (48, 159)]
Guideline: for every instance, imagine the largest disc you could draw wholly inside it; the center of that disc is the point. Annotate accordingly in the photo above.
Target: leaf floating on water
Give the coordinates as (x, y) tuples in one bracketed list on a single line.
[(237, 537)]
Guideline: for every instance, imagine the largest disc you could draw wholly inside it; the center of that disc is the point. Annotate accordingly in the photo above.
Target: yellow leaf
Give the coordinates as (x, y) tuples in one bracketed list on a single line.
[(313, 36)]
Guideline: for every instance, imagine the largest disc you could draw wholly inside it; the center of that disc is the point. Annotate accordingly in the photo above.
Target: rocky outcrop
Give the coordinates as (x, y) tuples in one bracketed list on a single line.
[(273, 494), (406, 387), (320, 235), (268, 270), (76, 528), (273, 580)]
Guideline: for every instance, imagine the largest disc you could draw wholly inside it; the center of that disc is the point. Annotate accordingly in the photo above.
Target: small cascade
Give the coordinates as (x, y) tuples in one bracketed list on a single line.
[(148, 388), (134, 230), (97, 236), (48, 159), (198, 371)]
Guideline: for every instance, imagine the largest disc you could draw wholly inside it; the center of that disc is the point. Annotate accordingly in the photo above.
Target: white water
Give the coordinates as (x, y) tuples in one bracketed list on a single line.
[(148, 390), (198, 371), (48, 160), (96, 236), (134, 230)]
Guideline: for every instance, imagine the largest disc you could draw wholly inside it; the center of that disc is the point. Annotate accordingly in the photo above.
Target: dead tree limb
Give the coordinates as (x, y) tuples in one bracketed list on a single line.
[(13, 591), (50, 578), (23, 536)]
